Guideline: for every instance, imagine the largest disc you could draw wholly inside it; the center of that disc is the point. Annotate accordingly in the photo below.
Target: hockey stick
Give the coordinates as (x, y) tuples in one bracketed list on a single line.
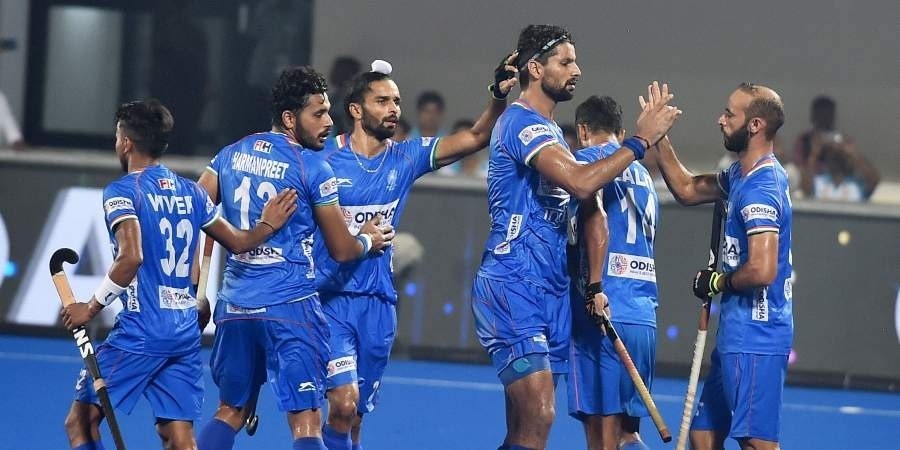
[(635, 377), (83, 341), (715, 250)]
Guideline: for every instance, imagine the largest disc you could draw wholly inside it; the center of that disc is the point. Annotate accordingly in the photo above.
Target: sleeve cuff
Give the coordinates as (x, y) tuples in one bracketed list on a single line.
[(538, 149)]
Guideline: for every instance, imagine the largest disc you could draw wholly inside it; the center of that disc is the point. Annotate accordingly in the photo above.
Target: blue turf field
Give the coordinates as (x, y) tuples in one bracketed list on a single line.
[(424, 405)]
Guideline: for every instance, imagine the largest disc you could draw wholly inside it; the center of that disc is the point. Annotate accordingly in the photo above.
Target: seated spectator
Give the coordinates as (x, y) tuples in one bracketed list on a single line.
[(429, 115), (845, 174)]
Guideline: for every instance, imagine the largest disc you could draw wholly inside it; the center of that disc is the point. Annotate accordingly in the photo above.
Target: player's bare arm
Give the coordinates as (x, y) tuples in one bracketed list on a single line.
[(274, 215), (465, 142), (557, 164), (596, 243), (761, 266), (210, 182), (123, 270), (687, 188), (343, 246)]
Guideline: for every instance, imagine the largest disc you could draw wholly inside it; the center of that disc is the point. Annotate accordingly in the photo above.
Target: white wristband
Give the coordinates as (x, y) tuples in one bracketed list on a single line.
[(366, 242), (108, 291)]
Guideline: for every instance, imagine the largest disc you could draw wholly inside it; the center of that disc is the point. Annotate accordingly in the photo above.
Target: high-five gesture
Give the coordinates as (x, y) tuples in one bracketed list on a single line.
[(656, 116)]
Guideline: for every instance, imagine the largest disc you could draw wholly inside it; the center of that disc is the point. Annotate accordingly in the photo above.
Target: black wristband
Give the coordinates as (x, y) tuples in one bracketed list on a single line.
[(593, 289)]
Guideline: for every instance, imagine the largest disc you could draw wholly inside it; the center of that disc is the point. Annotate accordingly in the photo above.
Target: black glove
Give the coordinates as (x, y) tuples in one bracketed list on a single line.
[(705, 284), (501, 74)]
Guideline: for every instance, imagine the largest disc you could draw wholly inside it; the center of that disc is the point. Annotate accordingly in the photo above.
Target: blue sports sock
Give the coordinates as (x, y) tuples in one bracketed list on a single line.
[(98, 445), (309, 443), (216, 435), (635, 445), (518, 447), (335, 440), (357, 446)]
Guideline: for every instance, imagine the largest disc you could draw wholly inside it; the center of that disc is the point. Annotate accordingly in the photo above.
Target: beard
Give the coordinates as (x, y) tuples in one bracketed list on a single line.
[(376, 127), (738, 141), (557, 93), (124, 163), (309, 141)]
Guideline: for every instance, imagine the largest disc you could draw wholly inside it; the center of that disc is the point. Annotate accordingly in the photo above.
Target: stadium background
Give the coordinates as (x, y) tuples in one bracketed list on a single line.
[(69, 63)]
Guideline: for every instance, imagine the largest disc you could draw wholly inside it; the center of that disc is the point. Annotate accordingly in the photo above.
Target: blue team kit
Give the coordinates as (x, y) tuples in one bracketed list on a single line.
[(520, 297), (598, 382), (755, 327), (154, 346), (268, 303), (359, 297)]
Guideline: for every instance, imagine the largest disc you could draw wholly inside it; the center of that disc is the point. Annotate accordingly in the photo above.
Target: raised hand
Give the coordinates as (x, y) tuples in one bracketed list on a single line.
[(506, 76), (657, 116), (279, 209)]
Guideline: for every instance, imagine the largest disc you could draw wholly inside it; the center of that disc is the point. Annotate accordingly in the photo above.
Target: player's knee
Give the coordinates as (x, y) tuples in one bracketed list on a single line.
[(344, 407)]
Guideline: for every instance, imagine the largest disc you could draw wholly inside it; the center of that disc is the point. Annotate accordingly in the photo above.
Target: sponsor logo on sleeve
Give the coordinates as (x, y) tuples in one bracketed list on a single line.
[(210, 206), (631, 266), (529, 133), (328, 187), (731, 251), (262, 146), (116, 204), (758, 211)]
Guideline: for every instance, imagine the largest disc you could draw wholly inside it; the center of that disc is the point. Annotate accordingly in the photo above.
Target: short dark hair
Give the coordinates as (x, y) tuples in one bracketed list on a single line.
[(600, 114), (358, 88), (148, 123), (430, 97), (293, 89), (823, 102), (538, 42), (463, 124), (767, 105)]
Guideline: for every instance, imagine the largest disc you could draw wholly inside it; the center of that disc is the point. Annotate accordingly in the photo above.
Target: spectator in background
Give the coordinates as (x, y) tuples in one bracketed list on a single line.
[(343, 69), (570, 135), (10, 134), (822, 114), (474, 165), (836, 171), (401, 133), (429, 115)]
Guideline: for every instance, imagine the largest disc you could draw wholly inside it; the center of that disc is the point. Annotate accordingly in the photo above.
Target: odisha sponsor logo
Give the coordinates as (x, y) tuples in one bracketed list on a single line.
[(365, 216), (619, 264), (642, 266), (264, 251)]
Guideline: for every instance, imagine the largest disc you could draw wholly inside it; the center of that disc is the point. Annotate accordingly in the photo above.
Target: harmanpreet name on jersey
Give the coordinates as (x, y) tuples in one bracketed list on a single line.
[(258, 166), (252, 171)]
